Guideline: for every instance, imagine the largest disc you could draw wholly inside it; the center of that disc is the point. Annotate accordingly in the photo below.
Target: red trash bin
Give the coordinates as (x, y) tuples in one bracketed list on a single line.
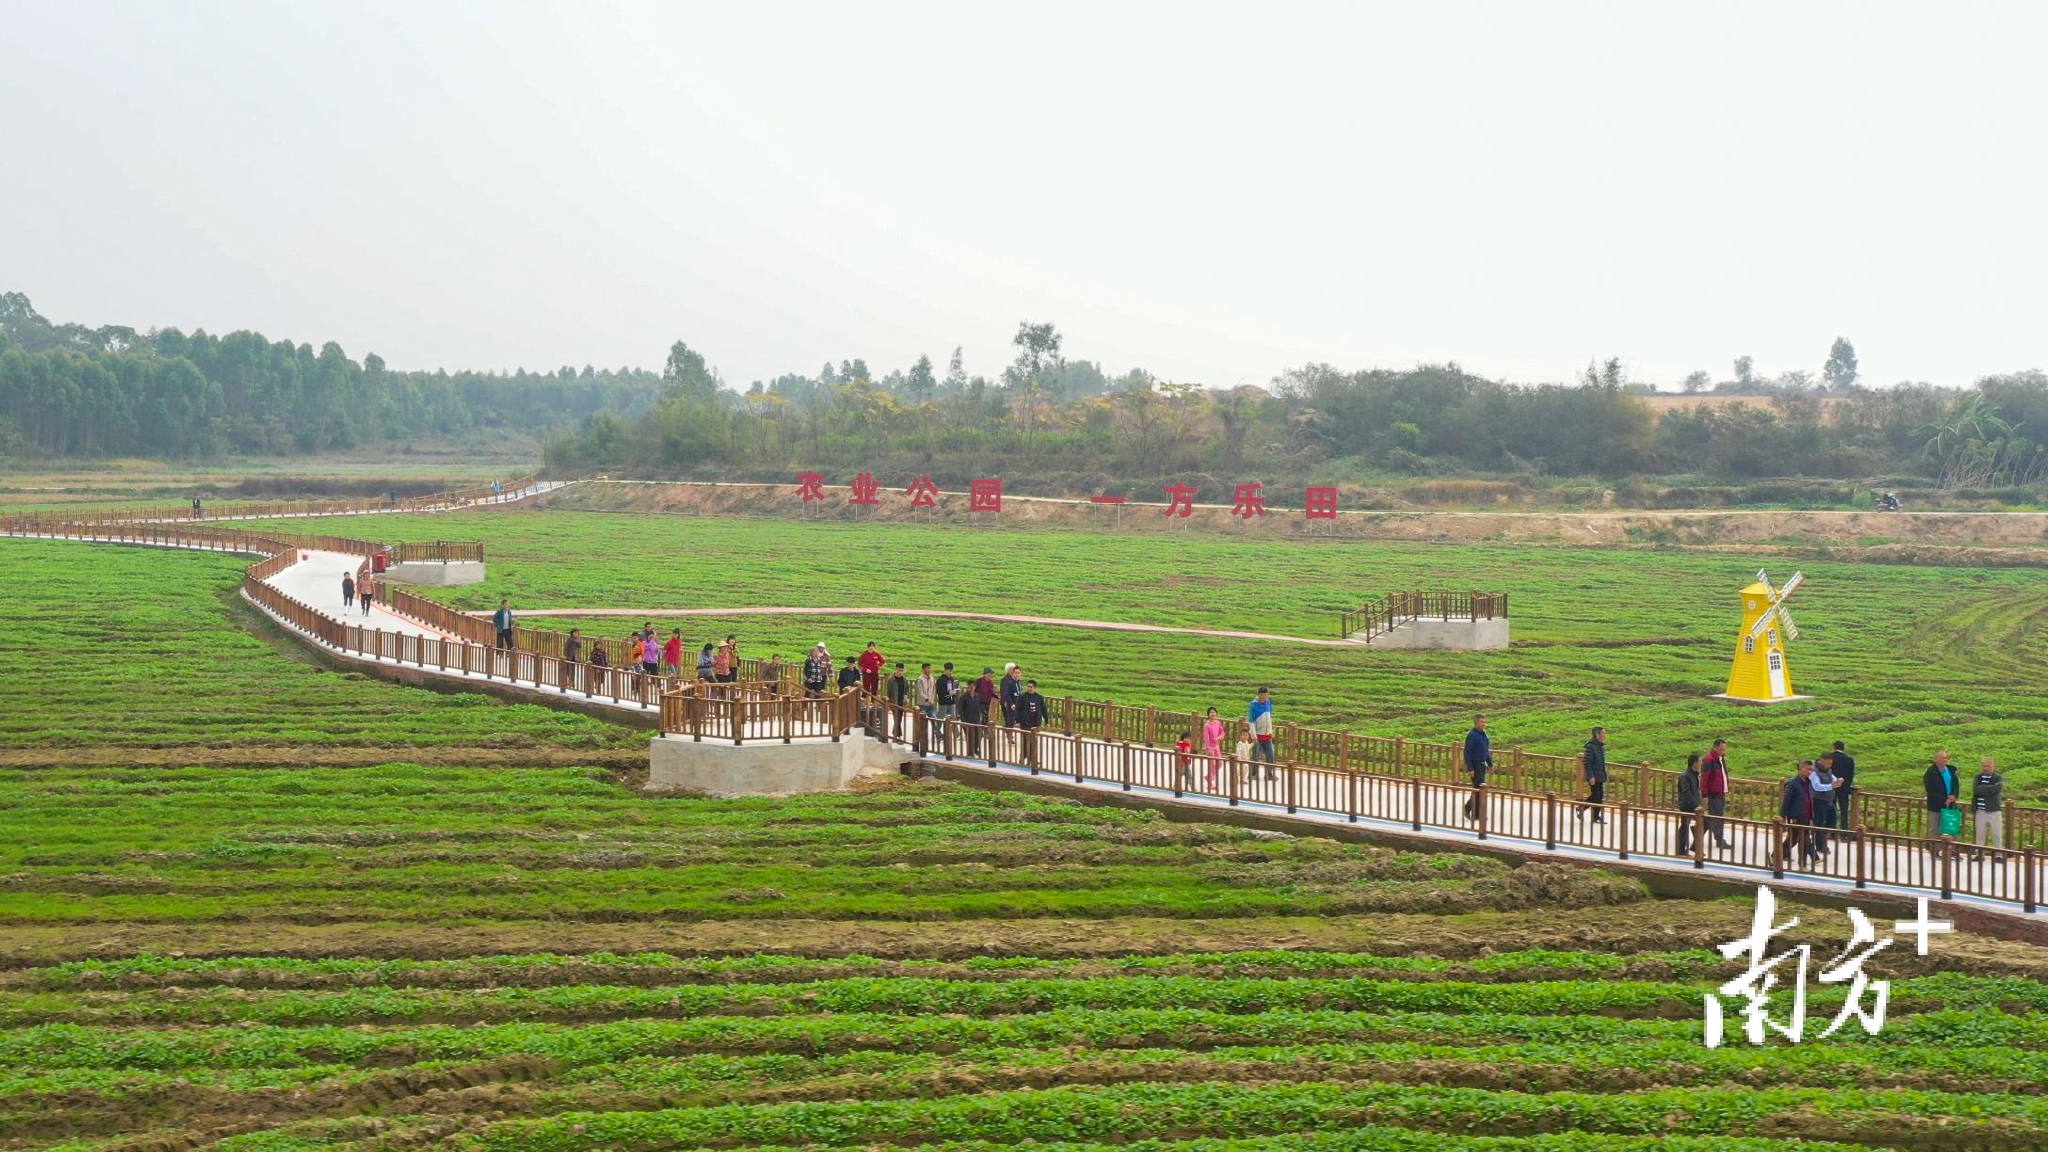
[(377, 561)]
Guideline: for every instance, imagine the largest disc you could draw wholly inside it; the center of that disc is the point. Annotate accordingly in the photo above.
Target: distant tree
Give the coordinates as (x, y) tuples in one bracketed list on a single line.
[(1745, 372), (1608, 375), (920, 384), (686, 375), (1696, 382), (956, 372), (1839, 373), (1038, 353)]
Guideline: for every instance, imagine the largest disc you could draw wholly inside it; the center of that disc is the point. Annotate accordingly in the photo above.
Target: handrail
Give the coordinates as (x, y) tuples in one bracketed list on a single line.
[(1515, 770), (1860, 855), (1385, 613)]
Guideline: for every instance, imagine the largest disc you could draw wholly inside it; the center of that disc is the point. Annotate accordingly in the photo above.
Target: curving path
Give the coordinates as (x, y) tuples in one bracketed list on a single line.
[(941, 614), (1897, 869)]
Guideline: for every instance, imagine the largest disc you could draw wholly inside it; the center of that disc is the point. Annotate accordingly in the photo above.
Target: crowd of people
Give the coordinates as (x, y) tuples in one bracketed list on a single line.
[(1813, 802)]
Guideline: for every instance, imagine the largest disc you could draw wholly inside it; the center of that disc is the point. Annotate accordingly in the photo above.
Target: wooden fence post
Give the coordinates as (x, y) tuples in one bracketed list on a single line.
[(1623, 811), (1479, 808), (1862, 862), (1698, 816), (1415, 803), (1550, 821), (2029, 882), (1351, 798), (1777, 844), (1948, 867), (1289, 770), (1126, 745)]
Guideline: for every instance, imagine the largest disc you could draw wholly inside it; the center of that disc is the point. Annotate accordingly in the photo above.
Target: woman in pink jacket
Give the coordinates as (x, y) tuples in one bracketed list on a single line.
[(1212, 745)]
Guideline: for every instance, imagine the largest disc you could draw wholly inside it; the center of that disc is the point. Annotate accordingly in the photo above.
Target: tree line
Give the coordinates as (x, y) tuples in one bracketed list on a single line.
[(1060, 424), (69, 390)]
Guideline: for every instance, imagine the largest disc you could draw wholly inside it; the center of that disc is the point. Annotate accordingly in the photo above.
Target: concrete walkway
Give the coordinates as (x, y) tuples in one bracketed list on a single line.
[(944, 614)]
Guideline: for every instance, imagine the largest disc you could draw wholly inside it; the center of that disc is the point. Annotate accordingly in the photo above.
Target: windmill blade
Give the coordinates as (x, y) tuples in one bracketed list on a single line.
[(1785, 618), (1770, 593), (1762, 622), (1797, 579)]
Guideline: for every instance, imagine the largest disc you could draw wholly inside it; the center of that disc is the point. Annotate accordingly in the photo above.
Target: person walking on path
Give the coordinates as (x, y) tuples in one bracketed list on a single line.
[(898, 691), (817, 670), (926, 696), (365, 593), (1844, 769), (650, 653), (948, 690), (599, 658), (1987, 799), (726, 660), (771, 674), (1478, 761), (973, 702), (1259, 719), (1795, 808), (1029, 715), (502, 620), (1714, 791), (871, 664), (1823, 784), (348, 590), (1596, 777), (1688, 801), (850, 675), (1184, 757), (1213, 731), (572, 648), (672, 654), (705, 670), (1011, 688), (1940, 784)]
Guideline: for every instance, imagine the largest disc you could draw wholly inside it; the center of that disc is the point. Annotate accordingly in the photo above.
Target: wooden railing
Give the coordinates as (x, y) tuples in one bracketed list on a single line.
[(1397, 608), (1861, 856), (437, 551), (744, 711), (288, 509)]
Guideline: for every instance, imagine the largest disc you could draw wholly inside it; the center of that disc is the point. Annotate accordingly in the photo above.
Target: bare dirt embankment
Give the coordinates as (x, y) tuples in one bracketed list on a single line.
[(1972, 539)]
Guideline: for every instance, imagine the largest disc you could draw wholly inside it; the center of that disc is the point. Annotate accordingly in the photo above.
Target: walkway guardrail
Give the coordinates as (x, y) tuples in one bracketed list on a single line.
[(1389, 612)]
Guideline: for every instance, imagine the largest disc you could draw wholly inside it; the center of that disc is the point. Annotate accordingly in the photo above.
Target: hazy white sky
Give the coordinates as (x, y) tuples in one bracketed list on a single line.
[(1215, 192)]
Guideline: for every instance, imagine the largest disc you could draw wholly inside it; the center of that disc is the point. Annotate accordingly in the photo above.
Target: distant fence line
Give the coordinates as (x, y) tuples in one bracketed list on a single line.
[(283, 509), (1389, 612)]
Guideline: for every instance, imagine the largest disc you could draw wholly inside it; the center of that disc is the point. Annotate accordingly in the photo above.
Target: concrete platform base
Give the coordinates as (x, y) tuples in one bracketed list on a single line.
[(1747, 700), (440, 572), (722, 768), (1457, 635)]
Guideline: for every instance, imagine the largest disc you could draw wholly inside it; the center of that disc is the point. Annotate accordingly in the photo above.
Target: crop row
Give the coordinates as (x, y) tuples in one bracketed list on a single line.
[(1985, 1121), (913, 995), (251, 1046), (159, 971)]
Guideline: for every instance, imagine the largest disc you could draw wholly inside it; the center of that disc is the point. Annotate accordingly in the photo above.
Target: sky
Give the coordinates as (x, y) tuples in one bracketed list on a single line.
[(1216, 193)]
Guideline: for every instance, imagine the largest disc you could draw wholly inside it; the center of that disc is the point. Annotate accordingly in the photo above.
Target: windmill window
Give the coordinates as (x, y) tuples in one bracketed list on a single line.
[(1772, 638), (1748, 644), (1777, 662)]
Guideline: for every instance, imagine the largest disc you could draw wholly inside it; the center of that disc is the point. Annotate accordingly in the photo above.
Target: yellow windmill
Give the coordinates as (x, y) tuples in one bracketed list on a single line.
[(1759, 675)]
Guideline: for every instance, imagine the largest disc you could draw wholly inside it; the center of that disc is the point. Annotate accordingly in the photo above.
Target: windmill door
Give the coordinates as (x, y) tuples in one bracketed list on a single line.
[(1777, 661)]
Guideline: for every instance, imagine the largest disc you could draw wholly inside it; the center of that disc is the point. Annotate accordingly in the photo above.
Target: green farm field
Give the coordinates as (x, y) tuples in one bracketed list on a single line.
[(1900, 659), (407, 956), (250, 904)]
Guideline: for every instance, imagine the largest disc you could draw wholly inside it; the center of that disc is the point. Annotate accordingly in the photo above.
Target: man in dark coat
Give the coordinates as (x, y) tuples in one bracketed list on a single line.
[(1844, 769), (1030, 714), (1478, 761), (1941, 785), (1596, 776), (1688, 801), (1795, 807)]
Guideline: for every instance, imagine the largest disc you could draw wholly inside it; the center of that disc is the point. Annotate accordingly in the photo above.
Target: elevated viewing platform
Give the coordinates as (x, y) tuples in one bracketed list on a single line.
[(1460, 621)]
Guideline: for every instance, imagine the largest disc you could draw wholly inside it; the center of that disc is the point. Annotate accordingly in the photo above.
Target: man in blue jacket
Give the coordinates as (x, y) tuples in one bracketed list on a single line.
[(1478, 760), (1596, 776), (1795, 807), (503, 619)]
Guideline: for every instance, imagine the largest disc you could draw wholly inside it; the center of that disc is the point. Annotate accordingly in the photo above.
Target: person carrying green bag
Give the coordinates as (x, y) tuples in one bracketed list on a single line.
[(1943, 817)]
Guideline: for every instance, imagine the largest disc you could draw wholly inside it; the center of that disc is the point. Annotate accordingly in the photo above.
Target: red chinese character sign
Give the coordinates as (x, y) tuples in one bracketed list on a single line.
[(923, 493), (985, 496), (1246, 502), (1180, 499), (864, 489), (1320, 504), (810, 487)]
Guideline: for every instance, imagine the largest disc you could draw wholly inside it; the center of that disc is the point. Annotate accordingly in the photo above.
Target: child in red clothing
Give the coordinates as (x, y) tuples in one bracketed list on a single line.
[(1184, 748)]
